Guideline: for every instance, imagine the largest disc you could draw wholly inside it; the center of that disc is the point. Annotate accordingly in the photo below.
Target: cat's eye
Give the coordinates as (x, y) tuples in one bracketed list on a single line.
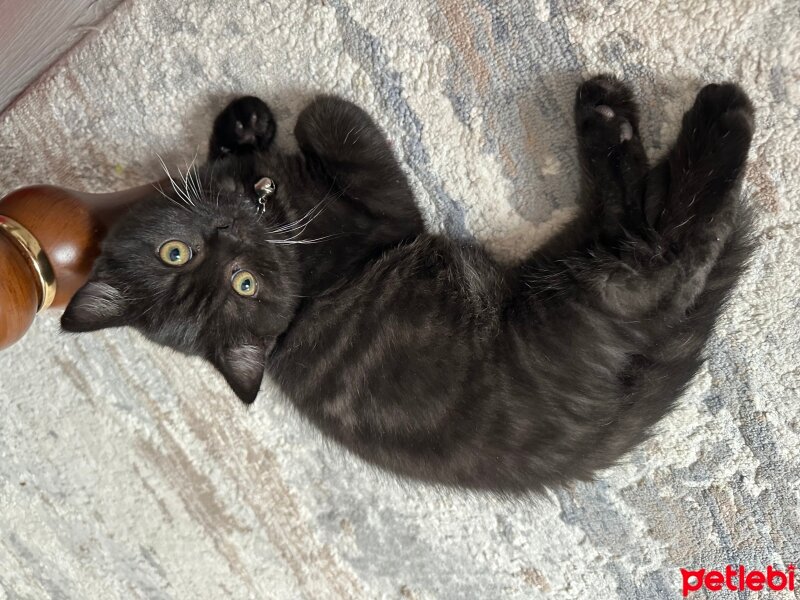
[(175, 253), (244, 283)]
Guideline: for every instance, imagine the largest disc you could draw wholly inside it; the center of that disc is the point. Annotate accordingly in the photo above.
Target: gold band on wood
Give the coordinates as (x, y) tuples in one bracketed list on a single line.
[(36, 257)]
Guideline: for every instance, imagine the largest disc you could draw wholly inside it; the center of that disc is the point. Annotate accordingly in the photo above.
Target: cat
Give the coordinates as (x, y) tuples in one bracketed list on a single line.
[(423, 354)]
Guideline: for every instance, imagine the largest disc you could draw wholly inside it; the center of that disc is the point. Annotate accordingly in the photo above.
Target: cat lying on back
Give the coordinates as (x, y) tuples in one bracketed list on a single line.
[(419, 353)]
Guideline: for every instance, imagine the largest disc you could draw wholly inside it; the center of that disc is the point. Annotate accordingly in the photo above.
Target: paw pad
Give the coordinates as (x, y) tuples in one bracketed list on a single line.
[(625, 131), (605, 111), (611, 122)]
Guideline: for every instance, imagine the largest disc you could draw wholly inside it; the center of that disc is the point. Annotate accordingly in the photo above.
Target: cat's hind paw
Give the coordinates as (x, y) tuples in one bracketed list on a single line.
[(606, 113), (721, 119)]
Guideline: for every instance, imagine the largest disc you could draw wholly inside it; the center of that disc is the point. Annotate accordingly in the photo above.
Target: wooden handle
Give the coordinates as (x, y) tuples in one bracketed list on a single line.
[(19, 297), (67, 228)]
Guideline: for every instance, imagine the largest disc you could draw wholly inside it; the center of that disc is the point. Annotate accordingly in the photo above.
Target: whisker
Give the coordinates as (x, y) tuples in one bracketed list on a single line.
[(303, 242), (197, 177), (290, 226), (188, 182), (303, 222), (175, 187), (158, 188)]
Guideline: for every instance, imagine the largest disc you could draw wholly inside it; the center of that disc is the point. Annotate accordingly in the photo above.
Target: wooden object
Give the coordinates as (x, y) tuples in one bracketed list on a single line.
[(49, 238)]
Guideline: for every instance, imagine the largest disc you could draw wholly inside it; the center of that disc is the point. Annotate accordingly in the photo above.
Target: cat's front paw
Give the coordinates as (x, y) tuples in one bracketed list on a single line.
[(246, 125), (605, 112)]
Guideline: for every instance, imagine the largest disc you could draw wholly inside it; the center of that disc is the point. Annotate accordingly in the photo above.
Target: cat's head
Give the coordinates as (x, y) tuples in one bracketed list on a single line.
[(204, 277)]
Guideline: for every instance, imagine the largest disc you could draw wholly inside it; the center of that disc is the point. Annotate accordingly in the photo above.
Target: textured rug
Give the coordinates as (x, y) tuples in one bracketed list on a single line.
[(127, 471)]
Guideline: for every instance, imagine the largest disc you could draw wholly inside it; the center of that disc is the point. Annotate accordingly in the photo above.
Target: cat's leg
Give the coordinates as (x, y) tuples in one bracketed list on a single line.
[(613, 162), (698, 233), (344, 145), (690, 191), (244, 129), (244, 126)]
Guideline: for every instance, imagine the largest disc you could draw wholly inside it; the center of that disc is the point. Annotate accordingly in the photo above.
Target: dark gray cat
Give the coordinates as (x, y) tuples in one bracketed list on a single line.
[(419, 353)]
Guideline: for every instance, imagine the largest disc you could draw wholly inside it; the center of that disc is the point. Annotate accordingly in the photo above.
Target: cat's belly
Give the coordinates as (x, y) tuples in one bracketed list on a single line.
[(397, 365), (376, 365)]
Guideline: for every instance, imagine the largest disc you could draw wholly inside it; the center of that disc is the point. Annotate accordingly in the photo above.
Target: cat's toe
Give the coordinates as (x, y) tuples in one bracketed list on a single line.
[(719, 126), (606, 111), (245, 125), (605, 87), (718, 98), (607, 91), (724, 108), (625, 131)]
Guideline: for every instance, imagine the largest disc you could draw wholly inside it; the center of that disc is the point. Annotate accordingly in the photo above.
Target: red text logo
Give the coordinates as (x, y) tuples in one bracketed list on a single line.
[(738, 579)]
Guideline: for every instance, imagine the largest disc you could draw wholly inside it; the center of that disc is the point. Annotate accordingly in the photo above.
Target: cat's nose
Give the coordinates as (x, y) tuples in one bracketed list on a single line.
[(223, 224)]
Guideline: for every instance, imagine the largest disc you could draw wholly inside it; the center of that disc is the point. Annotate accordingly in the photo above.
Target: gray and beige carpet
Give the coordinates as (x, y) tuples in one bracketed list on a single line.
[(127, 471)]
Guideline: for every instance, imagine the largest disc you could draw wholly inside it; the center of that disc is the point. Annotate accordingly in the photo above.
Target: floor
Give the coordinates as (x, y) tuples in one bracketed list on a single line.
[(34, 36)]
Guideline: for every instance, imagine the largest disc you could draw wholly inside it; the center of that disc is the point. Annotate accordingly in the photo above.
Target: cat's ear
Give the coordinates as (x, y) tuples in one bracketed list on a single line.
[(243, 368), (97, 305)]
